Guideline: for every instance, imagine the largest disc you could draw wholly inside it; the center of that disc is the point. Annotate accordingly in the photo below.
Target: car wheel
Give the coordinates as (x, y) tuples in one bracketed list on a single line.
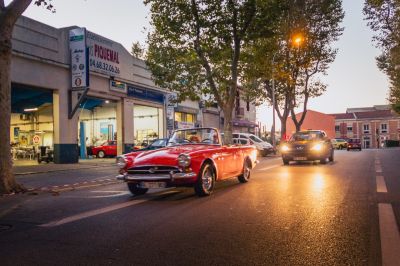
[(285, 162), (331, 158), (101, 154), (322, 161), (245, 176), (136, 190), (206, 180)]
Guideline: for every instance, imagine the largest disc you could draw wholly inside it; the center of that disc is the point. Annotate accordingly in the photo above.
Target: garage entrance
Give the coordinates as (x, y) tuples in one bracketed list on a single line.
[(32, 123), (97, 126)]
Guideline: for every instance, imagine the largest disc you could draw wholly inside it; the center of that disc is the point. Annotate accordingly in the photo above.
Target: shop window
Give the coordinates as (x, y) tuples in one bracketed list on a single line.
[(383, 128), (337, 128), (349, 128)]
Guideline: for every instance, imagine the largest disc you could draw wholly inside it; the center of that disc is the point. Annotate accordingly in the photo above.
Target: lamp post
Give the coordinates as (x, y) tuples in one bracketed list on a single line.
[(273, 105)]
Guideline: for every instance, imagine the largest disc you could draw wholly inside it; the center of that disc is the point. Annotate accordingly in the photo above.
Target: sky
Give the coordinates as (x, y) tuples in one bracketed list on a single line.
[(353, 79)]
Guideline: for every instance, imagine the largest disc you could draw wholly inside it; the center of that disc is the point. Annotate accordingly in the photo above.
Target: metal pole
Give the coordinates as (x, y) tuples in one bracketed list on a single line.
[(273, 114), (273, 104)]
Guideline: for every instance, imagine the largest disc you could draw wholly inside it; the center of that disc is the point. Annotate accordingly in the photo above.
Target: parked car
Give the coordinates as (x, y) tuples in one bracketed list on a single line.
[(354, 144), (308, 145), (193, 157), (156, 144), (339, 143), (264, 148), (108, 148)]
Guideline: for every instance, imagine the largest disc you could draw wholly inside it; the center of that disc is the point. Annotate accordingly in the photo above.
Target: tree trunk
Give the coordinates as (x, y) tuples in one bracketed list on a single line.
[(283, 127), (227, 124), (8, 183)]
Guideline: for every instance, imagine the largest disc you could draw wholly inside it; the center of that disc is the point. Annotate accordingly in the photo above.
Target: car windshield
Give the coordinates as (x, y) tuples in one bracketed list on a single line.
[(301, 136), (255, 138), (159, 143), (194, 136)]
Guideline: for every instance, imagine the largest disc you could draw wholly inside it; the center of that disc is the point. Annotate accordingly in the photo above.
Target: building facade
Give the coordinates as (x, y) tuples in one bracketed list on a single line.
[(372, 125), (122, 102), (313, 120)]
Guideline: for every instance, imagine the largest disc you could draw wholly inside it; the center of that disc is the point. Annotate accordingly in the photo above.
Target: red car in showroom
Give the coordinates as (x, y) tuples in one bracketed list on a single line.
[(193, 158), (108, 148)]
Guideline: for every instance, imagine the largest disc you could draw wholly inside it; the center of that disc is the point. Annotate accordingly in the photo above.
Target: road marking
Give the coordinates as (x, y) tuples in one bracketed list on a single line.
[(390, 238), (380, 184), (113, 193), (378, 169), (92, 213), (268, 167)]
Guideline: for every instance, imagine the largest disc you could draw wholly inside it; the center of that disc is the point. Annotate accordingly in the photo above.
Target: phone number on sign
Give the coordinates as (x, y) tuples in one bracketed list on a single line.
[(103, 66)]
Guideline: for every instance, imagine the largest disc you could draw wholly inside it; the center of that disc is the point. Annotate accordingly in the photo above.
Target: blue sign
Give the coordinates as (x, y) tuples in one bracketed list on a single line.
[(145, 94)]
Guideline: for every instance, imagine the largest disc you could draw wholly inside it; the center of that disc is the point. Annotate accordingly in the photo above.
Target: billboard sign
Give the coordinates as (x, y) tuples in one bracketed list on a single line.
[(79, 58)]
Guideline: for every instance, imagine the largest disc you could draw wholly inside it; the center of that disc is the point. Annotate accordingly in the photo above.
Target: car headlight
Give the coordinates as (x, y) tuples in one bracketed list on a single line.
[(184, 160), (121, 162), (285, 148), (317, 147)]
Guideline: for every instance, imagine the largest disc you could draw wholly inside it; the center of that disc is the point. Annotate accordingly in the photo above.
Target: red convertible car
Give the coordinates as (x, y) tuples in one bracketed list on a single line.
[(194, 157)]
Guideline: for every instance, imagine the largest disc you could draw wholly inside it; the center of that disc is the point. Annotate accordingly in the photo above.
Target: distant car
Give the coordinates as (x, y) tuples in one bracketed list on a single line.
[(354, 144), (156, 144), (264, 148), (308, 145), (339, 143), (108, 148)]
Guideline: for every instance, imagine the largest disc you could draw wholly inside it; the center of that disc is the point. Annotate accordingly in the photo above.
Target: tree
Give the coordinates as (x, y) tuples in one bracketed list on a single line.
[(8, 17), (195, 46), (383, 18), (138, 50), (300, 53)]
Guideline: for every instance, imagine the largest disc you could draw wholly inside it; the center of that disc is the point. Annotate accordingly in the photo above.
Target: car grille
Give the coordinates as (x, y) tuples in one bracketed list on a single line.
[(154, 169)]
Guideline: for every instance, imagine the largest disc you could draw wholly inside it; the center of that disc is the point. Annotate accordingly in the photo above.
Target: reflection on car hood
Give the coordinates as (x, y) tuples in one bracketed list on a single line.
[(166, 156)]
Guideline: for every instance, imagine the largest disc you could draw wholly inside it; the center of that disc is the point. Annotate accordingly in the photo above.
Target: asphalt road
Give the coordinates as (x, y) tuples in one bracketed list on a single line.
[(301, 214)]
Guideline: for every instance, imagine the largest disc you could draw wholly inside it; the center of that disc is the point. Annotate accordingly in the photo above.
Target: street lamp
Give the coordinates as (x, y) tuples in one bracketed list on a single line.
[(297, 39)]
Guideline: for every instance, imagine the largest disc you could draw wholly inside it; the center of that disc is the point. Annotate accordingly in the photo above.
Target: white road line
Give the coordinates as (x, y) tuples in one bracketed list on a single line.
[(88, 214), (268, 167), (378, 169), (380, 184), (390, 238)]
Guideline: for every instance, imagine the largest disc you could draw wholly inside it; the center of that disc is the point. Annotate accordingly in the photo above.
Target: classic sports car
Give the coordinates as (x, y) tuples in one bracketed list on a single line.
[(108, 148), (194, 157), (308, 145)]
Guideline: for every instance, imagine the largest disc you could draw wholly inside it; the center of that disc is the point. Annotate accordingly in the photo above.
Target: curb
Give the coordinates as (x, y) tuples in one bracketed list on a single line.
[(60, 170)]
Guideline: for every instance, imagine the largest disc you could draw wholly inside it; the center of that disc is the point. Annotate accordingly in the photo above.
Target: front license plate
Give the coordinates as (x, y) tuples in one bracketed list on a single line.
[(153, 184), (300, 158)]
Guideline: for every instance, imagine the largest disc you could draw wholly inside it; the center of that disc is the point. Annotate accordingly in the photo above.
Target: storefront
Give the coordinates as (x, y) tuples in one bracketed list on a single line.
[(148, 124), (186, 117), (31, 121), (97, 122)]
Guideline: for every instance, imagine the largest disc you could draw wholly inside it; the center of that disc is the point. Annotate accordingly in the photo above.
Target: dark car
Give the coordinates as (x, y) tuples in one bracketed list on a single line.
[(354, 144), (156, 144), (308, 145)]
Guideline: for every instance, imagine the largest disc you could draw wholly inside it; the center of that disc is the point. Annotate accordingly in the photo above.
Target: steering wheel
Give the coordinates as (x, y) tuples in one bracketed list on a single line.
[(206, 140)]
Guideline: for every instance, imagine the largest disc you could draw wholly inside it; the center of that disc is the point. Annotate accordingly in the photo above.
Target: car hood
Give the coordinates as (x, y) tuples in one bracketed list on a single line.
[(303, 142), (166, 156)]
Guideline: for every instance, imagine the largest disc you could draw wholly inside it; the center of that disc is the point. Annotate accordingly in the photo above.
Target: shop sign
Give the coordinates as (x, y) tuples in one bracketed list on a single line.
[(36, 139), (79, 58), (118, 86), (170, 118), (103, 55), (171, 100), (145, 94), (182, 125)]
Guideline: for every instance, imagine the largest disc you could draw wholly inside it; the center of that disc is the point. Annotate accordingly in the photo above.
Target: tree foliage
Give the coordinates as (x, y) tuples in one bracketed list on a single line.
[(195, 46), (384, 18), (300, 52)]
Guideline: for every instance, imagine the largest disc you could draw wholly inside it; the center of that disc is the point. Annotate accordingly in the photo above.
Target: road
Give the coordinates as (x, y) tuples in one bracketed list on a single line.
[(301, 214)]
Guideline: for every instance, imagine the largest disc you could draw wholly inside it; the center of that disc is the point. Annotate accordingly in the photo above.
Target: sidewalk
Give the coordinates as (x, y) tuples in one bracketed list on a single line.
[(26, 167)]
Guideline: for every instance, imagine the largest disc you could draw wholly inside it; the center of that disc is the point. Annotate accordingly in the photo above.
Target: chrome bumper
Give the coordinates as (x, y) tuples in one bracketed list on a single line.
[(150, 177)]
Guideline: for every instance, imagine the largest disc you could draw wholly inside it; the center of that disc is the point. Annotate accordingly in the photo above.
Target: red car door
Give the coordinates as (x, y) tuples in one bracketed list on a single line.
[(232, 163), (112, 148)]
